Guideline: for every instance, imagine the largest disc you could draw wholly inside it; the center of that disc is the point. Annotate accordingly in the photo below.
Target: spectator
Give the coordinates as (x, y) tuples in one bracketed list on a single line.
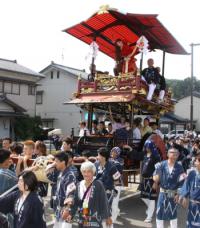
[(146, 128), (116, 122), (125, 133), (86, 154), (67, 144), (110, 129), (40, 149), (16, 149), (7, 178), (136, 131), (156, 130), (28, 151), (6, 143), (83, 129), (27, 208), (94, 127), (102, 129)]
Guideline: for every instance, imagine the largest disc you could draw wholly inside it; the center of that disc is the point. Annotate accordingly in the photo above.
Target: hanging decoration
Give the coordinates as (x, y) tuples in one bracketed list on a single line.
[(94, 48), (142, 44)]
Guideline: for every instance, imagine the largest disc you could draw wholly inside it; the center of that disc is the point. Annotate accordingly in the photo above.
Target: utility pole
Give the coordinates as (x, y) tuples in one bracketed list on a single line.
[(192, 83), (192, 80)]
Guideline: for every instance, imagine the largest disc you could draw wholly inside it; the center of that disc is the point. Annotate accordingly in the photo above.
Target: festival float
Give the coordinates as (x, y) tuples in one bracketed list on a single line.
[(126, 92)]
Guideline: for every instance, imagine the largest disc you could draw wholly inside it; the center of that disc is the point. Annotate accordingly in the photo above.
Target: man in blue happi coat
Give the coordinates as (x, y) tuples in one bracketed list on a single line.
[(108, 173), (191, 191), (65, 181), (8, 178), (169, 174)]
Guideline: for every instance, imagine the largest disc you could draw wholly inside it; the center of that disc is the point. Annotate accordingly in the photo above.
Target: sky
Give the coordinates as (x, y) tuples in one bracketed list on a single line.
[(31, 32)]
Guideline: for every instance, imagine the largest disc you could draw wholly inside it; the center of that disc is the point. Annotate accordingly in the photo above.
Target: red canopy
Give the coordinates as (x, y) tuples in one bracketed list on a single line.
[(110, 25)]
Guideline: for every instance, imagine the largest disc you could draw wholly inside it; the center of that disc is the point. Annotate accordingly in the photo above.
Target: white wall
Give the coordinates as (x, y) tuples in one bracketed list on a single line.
[(182, 108), (24, 100), (56, 92)]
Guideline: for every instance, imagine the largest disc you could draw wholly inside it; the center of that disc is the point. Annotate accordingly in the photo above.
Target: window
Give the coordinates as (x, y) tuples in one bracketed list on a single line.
[(31, 90), (10, 87), (51, 74), (58, 74), (47, 123), (1, 86), (7, 87), (15, 88), (39, 97)]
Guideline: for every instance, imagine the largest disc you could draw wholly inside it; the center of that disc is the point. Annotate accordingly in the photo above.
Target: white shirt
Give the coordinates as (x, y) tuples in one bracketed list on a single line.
[(82, 131), (136, 135)]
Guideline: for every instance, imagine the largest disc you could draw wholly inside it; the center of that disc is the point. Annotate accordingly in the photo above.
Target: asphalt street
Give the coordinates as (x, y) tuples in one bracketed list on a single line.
[(132, 213)]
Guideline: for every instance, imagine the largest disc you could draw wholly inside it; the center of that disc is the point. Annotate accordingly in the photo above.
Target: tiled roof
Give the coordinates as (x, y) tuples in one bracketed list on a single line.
[(195, 94), (70, 70), (13, 66), (176, 117), (15, 106)]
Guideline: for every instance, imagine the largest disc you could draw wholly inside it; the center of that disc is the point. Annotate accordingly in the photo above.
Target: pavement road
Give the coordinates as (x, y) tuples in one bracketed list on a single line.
[(132, 213)]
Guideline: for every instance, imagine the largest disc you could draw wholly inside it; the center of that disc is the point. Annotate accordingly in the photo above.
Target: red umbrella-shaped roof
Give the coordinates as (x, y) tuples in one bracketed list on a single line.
[(108, 25)]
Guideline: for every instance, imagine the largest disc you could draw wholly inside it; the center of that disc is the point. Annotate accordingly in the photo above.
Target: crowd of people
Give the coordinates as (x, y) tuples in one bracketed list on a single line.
[(89, 194), (83, 195)]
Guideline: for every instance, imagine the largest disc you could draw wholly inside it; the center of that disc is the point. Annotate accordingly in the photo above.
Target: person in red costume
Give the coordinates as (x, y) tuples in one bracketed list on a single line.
[(124, 56)]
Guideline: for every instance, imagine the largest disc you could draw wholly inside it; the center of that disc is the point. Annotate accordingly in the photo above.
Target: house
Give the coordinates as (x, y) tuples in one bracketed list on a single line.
[(17, 94), (171, 121), (182, 108), (60, 82)]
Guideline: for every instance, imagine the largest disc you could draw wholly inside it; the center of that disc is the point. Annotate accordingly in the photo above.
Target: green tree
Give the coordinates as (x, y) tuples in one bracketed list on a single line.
[(28, 128), (181, 88)]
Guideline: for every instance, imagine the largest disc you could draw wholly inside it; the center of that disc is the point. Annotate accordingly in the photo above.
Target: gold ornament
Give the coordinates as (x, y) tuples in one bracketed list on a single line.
[(103, 9)]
